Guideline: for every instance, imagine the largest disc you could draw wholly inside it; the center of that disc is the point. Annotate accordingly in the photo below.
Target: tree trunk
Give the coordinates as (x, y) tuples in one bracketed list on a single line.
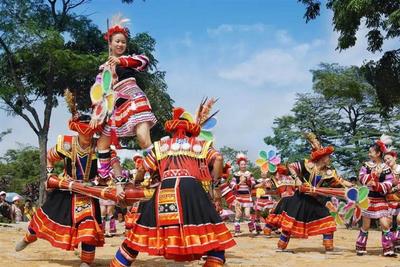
[(43, 164)]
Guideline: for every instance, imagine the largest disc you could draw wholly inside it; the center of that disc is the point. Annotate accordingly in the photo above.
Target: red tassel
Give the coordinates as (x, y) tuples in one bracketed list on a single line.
[(114, 139)]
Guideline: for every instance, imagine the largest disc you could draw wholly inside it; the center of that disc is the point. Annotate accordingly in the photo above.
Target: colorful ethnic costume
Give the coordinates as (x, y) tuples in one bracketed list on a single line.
[(303, 215), (378, 205), (393, 199), (66, 218), (242, 183), (179, 222), (223, 191), (131, 105), (284, 185), (263, 201)]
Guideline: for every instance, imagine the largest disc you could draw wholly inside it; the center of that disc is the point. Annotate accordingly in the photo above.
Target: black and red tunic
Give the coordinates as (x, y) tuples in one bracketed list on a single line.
[(180, 222), (67, 219), (303, 215)]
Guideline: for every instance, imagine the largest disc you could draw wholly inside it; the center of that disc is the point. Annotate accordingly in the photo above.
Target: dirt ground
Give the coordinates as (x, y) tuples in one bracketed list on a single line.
[(250, 251)]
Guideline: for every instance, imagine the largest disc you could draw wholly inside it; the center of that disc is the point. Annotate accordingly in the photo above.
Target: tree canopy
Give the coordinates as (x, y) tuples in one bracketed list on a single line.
[(381, 19), (45, 47), (342, 111)]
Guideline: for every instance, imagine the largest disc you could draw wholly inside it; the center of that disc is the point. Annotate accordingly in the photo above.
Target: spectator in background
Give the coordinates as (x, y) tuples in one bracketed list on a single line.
[(16, 213), (5, 208), (29, 209)]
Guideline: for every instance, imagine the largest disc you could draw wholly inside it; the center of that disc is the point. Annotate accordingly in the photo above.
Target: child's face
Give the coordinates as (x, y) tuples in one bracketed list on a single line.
[(242, 165), (390, 160), (118, 44), (373, 154)]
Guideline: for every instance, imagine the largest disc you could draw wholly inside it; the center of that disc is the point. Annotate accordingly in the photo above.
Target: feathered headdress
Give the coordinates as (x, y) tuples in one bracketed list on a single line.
[(183, 122), (240, 157), (118, 23), (383, 142), (70, 100), (318, 151), (313, 140), (78, 123)]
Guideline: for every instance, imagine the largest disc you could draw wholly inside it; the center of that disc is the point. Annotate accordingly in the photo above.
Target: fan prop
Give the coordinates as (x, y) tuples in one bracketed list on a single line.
[(335, 208), (102, 96), (268, 161), (132, 193), (357, 200)]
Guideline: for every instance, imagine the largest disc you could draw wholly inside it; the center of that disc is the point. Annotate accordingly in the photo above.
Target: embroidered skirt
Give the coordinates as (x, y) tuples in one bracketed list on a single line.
[(302, 215), (66, 219), (179, 222), (132, 107)]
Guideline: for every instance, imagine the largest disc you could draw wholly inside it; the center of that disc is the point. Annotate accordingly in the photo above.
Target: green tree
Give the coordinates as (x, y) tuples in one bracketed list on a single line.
[(19, 167), (342, 111), (44, 48), (384, 76), (382, 21), (311, 113)]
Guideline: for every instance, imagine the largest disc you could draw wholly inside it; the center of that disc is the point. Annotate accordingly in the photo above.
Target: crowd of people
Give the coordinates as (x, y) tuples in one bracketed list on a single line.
[(16, 210), (188, 186)]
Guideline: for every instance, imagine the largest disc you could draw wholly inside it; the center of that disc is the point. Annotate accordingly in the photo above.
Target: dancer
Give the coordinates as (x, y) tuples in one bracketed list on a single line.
[(378, 177), (132, 113), (242, 183), (180, 221), (284, 185), (303, 215), (263, 201), (67, 219), (393, 197), (223, 191)]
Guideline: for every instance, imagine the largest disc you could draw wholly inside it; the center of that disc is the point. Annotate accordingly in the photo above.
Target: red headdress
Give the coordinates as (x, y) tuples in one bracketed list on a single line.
[(241, 157), (182, 122), (382, 143), (282, 169), (117, 26), (78, 123), (318, 151)]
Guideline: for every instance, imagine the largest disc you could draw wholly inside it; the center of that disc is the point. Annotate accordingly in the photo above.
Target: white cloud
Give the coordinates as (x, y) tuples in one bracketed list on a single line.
[(185, 41), (283, 37), (271, 66), (239, 28)]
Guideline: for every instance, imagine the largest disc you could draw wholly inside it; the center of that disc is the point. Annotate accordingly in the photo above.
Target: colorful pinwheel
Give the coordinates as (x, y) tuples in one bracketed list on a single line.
[(102, 96), (357, 200), (268, 161), (336, 210)]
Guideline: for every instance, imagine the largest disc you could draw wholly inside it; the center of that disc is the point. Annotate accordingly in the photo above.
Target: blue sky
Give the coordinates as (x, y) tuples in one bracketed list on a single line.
[(255, 55)]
